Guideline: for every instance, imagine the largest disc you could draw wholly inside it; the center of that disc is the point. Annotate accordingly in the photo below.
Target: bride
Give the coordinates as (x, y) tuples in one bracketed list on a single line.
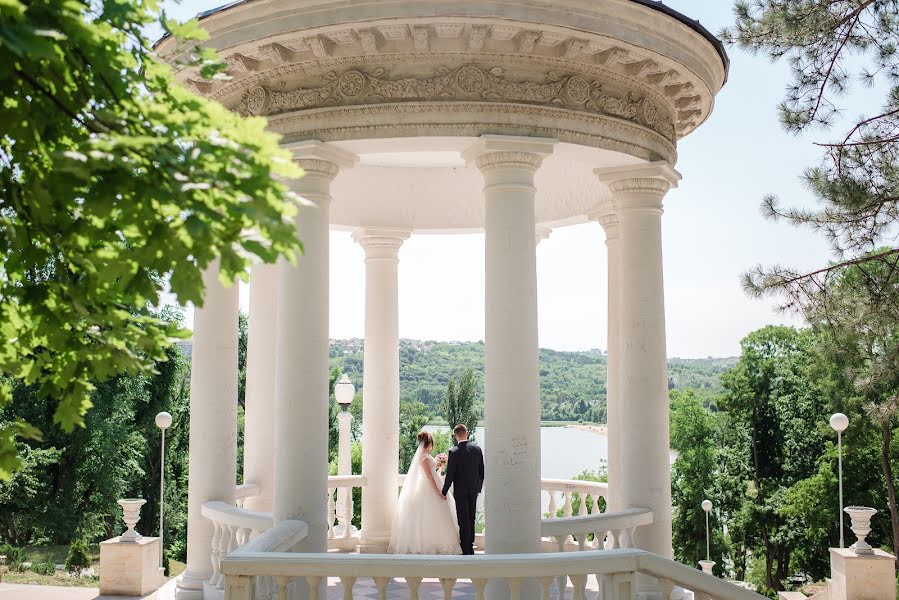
[(425, 522)]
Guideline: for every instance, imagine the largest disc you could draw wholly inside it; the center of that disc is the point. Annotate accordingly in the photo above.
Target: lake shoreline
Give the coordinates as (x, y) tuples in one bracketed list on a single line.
[(596, 429)]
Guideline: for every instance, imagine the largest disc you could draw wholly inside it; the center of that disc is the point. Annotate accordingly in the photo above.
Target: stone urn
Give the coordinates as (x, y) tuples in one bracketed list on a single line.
[(706, 566), (861, 527), (131, 515)]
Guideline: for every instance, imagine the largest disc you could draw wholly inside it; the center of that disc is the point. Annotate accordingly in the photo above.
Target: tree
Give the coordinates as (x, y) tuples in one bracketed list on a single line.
[(769, 395), (832, 46), (116, 184), (459, 403), (693, 478), (413, 416)]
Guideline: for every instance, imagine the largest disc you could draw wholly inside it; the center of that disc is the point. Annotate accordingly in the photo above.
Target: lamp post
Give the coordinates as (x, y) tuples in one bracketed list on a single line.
[(344, 391), (708, 563), (839, 422), (163, 421)]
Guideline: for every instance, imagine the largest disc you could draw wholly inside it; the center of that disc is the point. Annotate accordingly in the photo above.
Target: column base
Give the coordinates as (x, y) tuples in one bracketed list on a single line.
[(190, 586)]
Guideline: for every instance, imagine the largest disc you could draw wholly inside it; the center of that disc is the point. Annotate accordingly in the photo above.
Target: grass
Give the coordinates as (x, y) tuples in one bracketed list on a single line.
[(57, 555)]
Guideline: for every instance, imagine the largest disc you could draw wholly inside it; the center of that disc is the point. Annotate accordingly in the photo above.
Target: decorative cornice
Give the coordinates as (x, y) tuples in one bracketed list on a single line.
[(542, 232), (506, 159), (468, 82)]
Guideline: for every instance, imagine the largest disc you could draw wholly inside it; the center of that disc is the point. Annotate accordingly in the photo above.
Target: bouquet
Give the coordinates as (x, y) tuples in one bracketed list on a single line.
[(441, 460)]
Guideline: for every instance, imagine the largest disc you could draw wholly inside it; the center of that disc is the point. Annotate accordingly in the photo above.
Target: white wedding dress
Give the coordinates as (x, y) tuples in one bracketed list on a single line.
[(425, 523)]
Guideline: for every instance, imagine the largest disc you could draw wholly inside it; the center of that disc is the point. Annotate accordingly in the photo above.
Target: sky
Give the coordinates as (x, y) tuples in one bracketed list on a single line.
[(713, 231)]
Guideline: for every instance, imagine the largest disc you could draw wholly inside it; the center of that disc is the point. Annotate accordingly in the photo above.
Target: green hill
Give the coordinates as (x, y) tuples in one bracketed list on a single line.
[(572, 384)]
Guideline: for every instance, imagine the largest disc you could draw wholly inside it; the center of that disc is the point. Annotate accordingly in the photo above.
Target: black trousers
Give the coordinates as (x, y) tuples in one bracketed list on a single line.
[(466, 506)]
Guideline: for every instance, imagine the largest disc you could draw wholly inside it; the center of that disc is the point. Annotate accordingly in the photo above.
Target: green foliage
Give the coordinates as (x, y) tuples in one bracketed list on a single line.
[(116, 183), (78, 558), (43, 568), (15, 557), (413, 417), (693, 480), (572, 384), (459, 404), (69, 484)]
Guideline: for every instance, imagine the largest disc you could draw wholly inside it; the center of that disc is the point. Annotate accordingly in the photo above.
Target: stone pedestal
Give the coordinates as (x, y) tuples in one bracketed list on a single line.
[(867, 577), (130, 568)]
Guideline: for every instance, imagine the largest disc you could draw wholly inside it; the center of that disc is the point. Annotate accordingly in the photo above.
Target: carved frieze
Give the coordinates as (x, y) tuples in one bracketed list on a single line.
[(468, 82)]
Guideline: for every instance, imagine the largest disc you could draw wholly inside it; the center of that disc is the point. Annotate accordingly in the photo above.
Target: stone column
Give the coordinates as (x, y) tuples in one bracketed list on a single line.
[(301, 390), (213, 423), (644, 474), (512, 388), (259, 406), (344, 464), (380, 385), (609, 222)]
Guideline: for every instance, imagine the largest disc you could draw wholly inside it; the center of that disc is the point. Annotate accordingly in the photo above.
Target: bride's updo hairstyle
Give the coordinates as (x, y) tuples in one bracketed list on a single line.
[(425, 439)]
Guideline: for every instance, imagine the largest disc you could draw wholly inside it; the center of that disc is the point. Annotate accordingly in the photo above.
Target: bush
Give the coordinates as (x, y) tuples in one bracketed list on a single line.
[(43, 568), (78, 558), (15, 557)]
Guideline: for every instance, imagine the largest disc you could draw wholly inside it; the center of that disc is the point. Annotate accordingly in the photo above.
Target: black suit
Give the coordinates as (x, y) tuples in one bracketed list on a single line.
[(465, 472)]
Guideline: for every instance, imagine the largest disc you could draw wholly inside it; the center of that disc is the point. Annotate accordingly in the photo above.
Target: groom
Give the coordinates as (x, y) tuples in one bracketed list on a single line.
[(465, 472)]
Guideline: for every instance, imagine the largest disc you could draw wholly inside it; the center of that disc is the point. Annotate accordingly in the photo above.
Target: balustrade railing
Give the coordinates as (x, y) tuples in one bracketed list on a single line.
[(341, 509), (234, 527), (615, 573), (244, 491)]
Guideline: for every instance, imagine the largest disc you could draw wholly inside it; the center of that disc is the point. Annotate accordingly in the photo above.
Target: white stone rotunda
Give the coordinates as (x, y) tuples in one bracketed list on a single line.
[(425, 117)]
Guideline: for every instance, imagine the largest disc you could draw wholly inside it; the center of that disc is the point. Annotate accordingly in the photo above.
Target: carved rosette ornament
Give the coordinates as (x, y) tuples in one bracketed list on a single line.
[(465, 83)]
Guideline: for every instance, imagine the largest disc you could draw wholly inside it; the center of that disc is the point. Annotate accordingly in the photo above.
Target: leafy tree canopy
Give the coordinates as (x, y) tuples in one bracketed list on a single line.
[(116, 184)]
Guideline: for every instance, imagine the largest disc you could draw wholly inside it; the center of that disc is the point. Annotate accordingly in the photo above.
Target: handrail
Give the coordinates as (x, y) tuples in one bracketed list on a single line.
[(245, 490), (280, 538), (340, 481), (599, 522), (238, 567), (600, 488), (232, 516)]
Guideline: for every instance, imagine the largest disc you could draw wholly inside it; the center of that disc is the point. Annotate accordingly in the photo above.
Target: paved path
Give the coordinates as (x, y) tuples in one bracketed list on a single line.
[(17, 591)]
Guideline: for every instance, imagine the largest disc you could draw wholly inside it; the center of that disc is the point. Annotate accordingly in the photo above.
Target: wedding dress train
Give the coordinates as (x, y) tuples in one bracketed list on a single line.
[(425, 523)]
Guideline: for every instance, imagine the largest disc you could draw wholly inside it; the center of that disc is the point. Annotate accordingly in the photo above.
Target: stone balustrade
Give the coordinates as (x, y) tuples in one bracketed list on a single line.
[(611, 531), (341, 533), (234, 527), (614, 571), (244, 491)]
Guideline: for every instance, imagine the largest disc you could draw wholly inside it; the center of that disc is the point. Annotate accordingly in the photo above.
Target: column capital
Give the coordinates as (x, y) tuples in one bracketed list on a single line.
[(380, 242), (654, 178), (608, 219), (491, 151), (318, 158), (542, 232)]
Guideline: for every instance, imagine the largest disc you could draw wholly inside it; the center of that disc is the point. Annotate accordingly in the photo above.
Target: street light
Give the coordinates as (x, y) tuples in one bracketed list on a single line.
[(707, 507), (839, 422), (163, 421)]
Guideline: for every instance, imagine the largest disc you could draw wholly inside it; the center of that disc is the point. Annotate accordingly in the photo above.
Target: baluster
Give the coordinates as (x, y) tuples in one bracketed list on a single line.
[(616, 539), (413, 584), (567, 510), (348, 517), (479, 587), (331, 513), (381, 582), (552, 505), (314, 583), (581, 541), (237, 587), (561, 584), (667, 587), (282, 583), (447, 583), (514, 588), (347, 583), (594, 508), (579, 582), (582, 509), (599, 540), (546, 584), (560, 542), (630, 537), (226, 546), (216, 554)]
